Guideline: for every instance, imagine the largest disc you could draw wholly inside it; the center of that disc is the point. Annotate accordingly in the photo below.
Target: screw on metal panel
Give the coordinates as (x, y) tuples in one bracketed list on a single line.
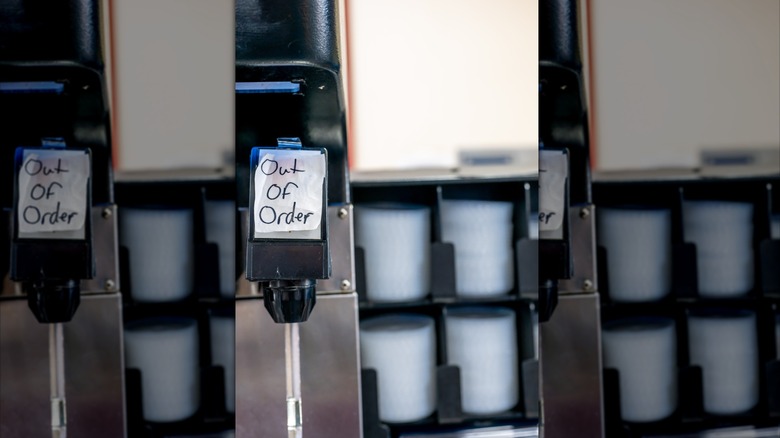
[(110, 284), (585, 212), (587, 284), (343, 213), (345, 284), (106, 213)]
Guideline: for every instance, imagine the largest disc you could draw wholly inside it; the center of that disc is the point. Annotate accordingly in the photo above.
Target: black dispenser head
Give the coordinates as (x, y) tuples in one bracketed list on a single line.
[(52, 98), (288, 83), (287, 248), (52, 233)]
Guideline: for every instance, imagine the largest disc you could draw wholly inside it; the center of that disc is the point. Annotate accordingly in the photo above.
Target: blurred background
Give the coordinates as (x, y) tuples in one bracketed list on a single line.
[(429, 78)]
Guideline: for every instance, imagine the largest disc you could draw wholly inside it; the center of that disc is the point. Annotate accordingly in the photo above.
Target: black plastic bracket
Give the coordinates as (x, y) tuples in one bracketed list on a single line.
[(443, 281), (548, 300), (527, 251), (685, 280), (773, 388), (690, 393), (770, 260), (360, 274), (206, 270), (448, 395), (372, 427)]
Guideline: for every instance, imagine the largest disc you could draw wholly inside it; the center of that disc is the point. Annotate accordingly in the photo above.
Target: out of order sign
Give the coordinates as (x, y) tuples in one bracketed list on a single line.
[(553, 171), (53, 190), (288, 191)]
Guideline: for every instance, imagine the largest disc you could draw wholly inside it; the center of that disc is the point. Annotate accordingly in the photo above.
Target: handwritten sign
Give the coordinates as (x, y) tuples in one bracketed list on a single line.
[(52, 191), (288, 190), (553, 171)]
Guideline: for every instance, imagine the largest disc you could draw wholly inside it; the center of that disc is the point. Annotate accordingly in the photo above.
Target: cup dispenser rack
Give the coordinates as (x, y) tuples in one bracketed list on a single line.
[(195, 261), (665, 191), (59, 298), (296, 310), (570, 333), (399, 190)]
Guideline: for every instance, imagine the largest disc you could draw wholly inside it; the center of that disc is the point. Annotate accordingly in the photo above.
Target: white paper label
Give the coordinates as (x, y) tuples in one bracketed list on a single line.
[(288, 191), (553, 171), (52, 191)]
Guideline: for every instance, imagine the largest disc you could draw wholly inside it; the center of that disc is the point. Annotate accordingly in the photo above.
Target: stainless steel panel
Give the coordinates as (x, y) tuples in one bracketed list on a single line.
[(94, 370), (330, 390), (340, 235), (260, 372), (571, 369), (341, 241), (105, 249), (243, 286), (25, 409), (7, 287), (330, 369), (583, 243)]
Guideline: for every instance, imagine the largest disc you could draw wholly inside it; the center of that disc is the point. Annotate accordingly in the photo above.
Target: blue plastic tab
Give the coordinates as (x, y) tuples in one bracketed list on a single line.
[(289, 143), (34, 87), (280, 87), (53, 142)]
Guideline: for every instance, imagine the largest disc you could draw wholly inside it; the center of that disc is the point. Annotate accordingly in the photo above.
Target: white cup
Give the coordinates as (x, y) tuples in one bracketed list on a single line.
[(161, 247), (644, 352), (396, 240), (725, 345), (402, 350), (639, 249), (723, 234), (481, 232), (165, 350), (482, 342)]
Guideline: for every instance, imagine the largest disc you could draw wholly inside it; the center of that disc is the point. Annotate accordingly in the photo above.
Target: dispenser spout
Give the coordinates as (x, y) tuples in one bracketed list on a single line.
[(290, 301)]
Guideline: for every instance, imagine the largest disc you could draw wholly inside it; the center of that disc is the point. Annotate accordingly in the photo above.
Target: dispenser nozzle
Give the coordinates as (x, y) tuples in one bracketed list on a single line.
[(290, 300), (53, 301)]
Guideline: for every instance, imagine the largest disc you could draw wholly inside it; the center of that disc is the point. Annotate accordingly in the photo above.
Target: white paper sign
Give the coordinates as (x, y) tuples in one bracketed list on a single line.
[(288, 191), (53, 191), (553, 171)]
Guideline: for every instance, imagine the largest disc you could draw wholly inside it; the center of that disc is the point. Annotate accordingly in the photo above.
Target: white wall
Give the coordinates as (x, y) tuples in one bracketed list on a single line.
[(428, 77), (173, 75), (672, 77)]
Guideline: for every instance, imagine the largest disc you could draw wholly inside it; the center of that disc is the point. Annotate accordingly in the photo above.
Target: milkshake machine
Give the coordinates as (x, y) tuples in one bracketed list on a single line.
[(60, 307), (296, 308), (666, 321), (571, 389)]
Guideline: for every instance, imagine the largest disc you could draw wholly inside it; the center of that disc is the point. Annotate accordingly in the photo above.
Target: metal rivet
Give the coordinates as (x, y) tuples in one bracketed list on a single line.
[(585, 212), (587, 284), (106, 213), (343, 213), (345, 284), (110, 284)]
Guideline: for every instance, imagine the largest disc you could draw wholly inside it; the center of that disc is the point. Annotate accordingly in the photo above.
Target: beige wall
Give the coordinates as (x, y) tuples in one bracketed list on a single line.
[(672, 77), (428, 77), (173, 82)]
